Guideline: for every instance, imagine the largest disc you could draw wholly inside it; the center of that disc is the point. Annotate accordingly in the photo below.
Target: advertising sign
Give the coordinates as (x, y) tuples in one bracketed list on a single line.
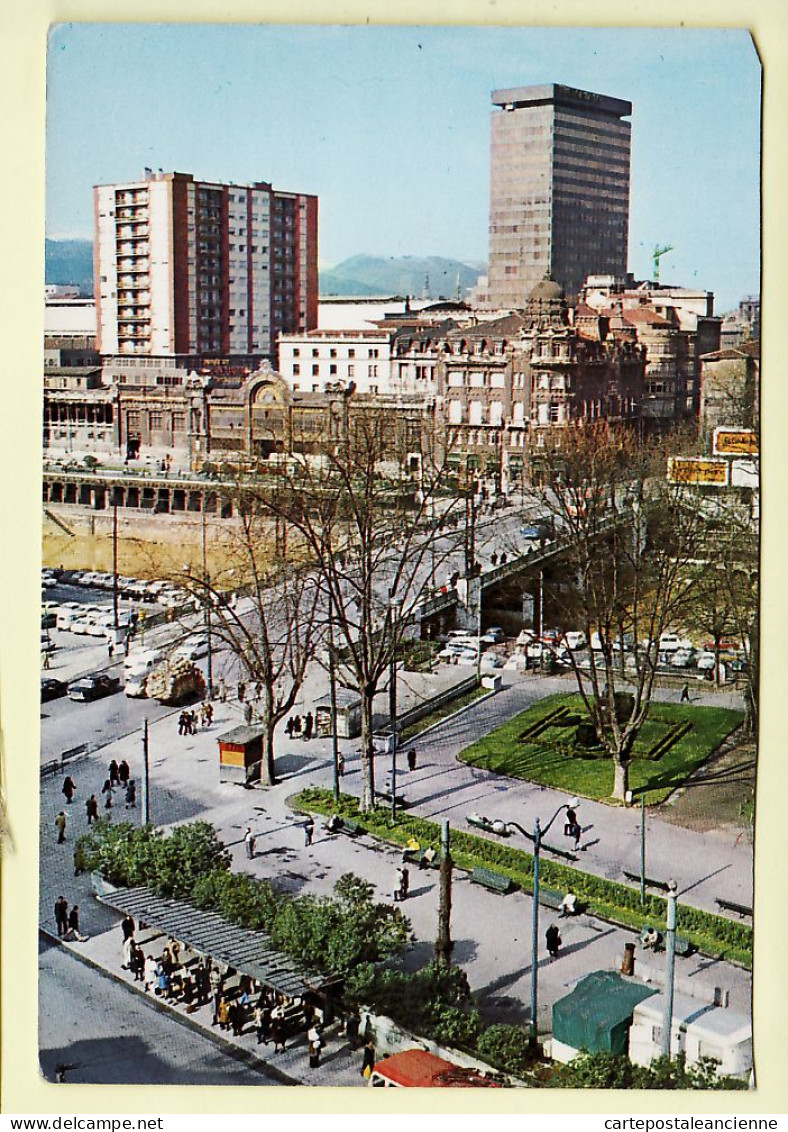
[(699, 470), (735, 442)]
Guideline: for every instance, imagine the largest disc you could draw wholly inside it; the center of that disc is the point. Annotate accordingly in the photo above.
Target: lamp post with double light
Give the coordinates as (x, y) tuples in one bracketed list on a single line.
[(395, 609), (536, 837)]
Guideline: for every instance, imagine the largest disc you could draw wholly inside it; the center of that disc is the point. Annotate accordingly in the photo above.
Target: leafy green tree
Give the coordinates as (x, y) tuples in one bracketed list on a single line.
[(614, 1071), (508, 1047)]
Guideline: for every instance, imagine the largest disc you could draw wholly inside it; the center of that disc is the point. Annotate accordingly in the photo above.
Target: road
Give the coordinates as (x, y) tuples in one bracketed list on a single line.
[(108, 1035)]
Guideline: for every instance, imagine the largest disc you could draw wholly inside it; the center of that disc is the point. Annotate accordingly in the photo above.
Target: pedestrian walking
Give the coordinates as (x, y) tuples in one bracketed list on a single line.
[(398, 885), (223, 690), (249, 842), (685, 694), (150, 973), (262, 1021), (352, 1026), (69, 789), (278, 1034), (248, 713), (128, 927), (208, 713), (315, 1046), (114, 779), (182, 723), (241, 691), (131, 795), (47, 661), (576, 835), (73, 925), (405, 885), (91, 809), (553, 941), (224, 1013), (368, 1059), (289, 727), (60, 826), (412, 759), (258, 691), (571, 821), (110, 649), (341, 765), (123, 772), (61, 915), (309, 830), (107, 789), (137, 963), (308, 726), (128, 950)]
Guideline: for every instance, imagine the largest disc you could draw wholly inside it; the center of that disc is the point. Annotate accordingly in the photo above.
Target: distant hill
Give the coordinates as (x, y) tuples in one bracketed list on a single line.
[(399, 275), (69, 261)]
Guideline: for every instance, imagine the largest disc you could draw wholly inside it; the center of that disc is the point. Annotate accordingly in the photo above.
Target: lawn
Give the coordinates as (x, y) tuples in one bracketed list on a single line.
[(551, 759)]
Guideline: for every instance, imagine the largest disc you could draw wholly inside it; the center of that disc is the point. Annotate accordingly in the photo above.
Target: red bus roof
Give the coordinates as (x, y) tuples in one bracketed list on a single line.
[(418, 1069)]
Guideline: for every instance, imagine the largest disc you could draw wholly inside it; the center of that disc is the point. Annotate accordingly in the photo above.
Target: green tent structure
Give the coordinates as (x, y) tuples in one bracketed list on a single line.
[(596, 1015)]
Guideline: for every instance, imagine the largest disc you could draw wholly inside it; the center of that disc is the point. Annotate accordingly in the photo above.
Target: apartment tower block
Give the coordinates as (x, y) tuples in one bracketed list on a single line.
[(559, 189), (196, 268)]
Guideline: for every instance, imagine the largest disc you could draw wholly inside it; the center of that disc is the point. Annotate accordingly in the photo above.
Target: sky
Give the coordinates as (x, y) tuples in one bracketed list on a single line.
[(390, 127)]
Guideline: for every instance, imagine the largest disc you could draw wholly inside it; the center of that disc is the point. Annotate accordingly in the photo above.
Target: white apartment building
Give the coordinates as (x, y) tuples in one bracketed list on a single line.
[(326, 360)]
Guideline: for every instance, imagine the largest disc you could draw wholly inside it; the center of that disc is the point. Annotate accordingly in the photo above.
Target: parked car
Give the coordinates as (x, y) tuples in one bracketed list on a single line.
[(525, 637), (575, 640), (681, 658), (47, 644), (93, 687), (191, 649), (52, 689), (706, 662), (494, 635)]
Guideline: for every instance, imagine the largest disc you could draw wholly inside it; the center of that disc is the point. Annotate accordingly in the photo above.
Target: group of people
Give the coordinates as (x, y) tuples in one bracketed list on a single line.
[(300, 726), (67, 921), (402, 884), (189, 719), (118, 778)]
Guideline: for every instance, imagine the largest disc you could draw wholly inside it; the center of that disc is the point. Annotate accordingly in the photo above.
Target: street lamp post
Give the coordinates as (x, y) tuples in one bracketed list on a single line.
[(395, 607), (670, 969), (536, 837), (207, 605)]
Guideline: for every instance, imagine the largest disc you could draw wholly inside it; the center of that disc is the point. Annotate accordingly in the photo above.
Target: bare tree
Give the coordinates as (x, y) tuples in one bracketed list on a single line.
[(274, 628), (369, 508), (630, 537)]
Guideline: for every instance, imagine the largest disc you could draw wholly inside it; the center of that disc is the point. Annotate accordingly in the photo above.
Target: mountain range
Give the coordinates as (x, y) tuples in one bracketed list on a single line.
[(71, 261)]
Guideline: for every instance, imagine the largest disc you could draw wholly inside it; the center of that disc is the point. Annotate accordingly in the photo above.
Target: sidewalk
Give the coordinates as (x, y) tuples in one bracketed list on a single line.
[(492, 934)]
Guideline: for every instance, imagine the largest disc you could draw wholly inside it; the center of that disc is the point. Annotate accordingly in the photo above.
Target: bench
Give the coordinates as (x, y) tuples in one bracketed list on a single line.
[(350, 828), (565, 853), (683, 946), (487, 825), (650, 882), (494, 881), (732, 906), (423, 858)]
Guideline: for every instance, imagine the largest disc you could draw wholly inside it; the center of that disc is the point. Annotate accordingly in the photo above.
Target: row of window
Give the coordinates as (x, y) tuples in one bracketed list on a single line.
[(372, 352)]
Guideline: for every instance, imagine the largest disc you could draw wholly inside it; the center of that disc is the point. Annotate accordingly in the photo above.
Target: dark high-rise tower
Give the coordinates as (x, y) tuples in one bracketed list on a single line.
[(559, 189)]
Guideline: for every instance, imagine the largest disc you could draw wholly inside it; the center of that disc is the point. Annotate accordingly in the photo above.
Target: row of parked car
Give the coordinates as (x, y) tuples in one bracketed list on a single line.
[(133, 589), (86, 688)]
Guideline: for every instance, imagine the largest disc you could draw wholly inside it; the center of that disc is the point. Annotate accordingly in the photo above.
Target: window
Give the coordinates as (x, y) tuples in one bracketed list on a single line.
[(351, 370), (455, 412), (332, 352), (315, 371), (156, 421), (351, 353), (315, 352), (332, 369), (296, 352), (373, 353), (296, 369), (475, 412), (372, 371)]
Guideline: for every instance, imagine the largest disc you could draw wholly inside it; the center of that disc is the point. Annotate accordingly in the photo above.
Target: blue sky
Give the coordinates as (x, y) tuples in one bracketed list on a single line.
[(390, 127)]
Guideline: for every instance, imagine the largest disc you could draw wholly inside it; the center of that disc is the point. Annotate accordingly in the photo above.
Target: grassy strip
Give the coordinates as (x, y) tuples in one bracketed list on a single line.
[(714, 935), (440, 713), (551, 760)]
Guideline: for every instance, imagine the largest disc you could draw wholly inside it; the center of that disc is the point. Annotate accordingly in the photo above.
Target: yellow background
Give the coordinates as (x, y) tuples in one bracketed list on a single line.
[(22, 74)]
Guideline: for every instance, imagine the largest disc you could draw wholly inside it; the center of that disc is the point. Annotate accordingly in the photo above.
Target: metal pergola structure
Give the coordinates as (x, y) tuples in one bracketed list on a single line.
[(248, 952)]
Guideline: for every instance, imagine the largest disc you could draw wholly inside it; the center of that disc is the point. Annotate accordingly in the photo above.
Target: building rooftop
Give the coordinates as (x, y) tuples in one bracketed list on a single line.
[(514, 98)]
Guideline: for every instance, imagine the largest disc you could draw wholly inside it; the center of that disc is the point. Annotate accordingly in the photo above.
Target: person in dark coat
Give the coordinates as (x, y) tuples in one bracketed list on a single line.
[(91, 808), (60, 826), (114, 780), (131, 795), (73, 925), (123, 772), (107, 789), (309, 830), (368, 1060), (69, 788), (278, 1034), (128, 927), (412, 759), (308, 725), (553, 941), (61, 915)]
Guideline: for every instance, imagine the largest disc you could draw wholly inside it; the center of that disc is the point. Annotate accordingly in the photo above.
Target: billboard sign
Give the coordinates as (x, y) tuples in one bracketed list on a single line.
[(735, 442), (744, 473), (698, 470)]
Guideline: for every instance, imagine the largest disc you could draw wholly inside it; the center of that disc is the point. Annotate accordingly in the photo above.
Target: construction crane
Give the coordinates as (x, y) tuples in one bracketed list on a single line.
[(657, 255)]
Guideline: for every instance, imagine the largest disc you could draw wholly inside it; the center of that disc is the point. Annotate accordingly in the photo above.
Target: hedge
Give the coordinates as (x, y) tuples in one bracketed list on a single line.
[(619, 903)]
